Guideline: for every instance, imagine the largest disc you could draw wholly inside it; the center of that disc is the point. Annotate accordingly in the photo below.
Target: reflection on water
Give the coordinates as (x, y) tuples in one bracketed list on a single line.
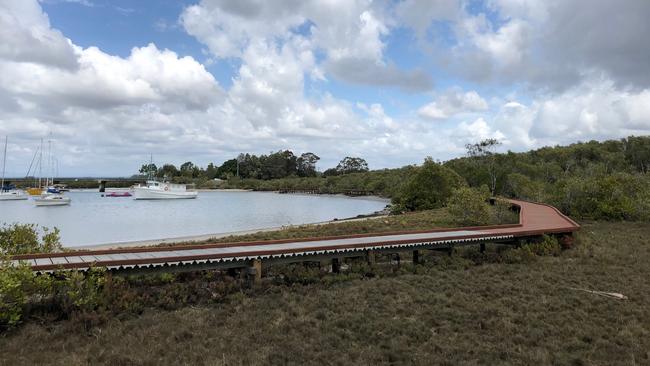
[(92, 219)]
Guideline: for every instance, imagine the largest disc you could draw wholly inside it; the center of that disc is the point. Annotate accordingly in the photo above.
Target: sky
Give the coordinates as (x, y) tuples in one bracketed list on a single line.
[(111, 83)]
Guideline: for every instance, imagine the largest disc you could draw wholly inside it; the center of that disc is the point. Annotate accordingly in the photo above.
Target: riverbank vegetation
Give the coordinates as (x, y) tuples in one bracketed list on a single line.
[(608, 180), (503, 306)]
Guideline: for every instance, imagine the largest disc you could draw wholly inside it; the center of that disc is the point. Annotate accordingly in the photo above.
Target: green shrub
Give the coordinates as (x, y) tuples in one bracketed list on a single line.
[(18, 288), (82, 292), (23, 239), (548, 246), (468, 206), (429, 188)]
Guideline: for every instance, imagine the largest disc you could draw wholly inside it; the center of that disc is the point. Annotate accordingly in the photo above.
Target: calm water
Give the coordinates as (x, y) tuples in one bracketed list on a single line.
[(92, 219)]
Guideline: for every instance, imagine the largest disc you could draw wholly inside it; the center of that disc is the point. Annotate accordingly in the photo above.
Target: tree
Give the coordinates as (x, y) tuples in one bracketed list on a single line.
[(352, 165), (168, 171), (430, 187), (637, 152), (229, 167), (482, 152), (148, 169), (211, 171), (307, 164)]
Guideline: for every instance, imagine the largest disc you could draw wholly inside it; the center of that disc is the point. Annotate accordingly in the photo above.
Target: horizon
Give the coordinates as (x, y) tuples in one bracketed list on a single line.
[(389, 81)]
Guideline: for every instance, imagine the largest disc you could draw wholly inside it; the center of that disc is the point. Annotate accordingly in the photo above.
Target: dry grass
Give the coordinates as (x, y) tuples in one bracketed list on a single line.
[(447, 311), (421, 220)]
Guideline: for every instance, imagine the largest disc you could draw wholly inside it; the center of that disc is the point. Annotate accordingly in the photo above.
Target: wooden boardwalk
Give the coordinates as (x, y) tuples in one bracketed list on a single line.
[(535, 220)]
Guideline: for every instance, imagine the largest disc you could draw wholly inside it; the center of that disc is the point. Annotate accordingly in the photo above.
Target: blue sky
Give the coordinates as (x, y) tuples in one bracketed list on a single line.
[(391, 81)]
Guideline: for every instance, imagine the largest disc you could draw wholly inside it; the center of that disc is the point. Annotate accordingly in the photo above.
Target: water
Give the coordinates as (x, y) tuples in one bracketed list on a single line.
[(92, 219)]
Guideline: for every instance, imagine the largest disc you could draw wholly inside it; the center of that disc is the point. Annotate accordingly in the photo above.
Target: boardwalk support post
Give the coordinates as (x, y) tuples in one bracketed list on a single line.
[(336, 265), (370, 256), (254, 272), (417, 257), (482, 248)]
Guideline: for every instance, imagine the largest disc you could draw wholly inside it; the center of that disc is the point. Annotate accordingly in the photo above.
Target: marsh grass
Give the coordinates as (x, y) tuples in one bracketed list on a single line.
[(465, 309), (420, 220)]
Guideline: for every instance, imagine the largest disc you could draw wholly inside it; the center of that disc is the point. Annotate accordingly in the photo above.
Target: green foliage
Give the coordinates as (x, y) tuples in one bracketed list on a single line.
[(23, 239), (548, 246), (595, 180), (430, 187), (469, 206), (79, 291), (19, 288)]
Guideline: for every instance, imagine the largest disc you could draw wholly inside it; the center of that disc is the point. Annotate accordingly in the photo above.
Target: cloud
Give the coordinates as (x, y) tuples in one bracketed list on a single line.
[(452, 103), (555, 44), (26, 36), (348, 33)]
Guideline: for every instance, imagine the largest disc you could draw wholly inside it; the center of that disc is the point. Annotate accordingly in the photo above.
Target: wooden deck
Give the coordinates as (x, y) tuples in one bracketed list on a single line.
[(535, 220)]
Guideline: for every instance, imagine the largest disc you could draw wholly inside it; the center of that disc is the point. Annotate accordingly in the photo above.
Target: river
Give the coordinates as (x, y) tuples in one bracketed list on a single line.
[(92, 219)]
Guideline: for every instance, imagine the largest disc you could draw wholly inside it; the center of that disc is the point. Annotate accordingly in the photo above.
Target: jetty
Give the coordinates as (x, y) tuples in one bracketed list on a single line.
[(535, 220)]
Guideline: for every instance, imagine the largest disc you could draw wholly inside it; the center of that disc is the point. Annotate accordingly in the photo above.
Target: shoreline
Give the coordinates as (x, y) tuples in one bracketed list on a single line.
[(207, 237)]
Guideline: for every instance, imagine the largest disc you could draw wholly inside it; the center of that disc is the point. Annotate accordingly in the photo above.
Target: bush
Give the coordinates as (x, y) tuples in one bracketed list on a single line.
[(468, 206), (549, 245), (23, 239), (429, 188), (18, 287)]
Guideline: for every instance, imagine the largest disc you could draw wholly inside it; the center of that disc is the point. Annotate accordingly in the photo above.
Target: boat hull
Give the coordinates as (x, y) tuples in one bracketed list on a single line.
[(12, 197), (41, 202), (143, 193)]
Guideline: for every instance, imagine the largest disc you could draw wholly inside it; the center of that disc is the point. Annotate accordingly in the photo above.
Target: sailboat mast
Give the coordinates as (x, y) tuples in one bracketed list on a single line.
[(40, 166), (50, 181), (4, 163)]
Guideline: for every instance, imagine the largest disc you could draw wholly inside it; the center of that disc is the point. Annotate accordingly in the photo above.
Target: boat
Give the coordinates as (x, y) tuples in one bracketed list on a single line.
[(51, 196), (61, 187), (154, 190), (117, 194), (52, 200), (9, 192)]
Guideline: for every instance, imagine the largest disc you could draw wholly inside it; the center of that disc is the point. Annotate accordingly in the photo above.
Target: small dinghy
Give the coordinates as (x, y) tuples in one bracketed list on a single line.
[(118, 194)]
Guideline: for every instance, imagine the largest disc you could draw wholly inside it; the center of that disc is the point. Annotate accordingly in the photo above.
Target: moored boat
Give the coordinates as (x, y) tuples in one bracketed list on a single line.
[(8, 192), (154, 190), (118, 194), (52, 200), (13, 195)]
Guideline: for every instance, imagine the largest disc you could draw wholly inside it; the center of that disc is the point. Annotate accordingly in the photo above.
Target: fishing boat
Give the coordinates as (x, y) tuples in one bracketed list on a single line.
[(9, 192), (52, 200), (154, 190)]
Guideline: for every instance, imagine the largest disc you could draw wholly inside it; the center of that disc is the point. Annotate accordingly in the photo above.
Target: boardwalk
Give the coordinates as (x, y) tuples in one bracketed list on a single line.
[(535, 220)]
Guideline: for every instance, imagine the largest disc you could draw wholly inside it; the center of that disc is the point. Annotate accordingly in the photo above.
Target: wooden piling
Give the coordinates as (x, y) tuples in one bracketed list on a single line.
[(417, 257), (336, 265)]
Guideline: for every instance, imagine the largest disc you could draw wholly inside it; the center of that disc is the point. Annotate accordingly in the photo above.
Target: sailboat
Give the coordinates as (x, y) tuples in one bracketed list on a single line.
[(37, 190), (51, 197), (9, 193)]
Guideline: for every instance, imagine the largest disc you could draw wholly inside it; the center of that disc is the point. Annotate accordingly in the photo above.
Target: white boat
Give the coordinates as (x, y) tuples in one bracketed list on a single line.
[(52, 200), (154, 190), (13, 195), (50, 196), (10, 194)]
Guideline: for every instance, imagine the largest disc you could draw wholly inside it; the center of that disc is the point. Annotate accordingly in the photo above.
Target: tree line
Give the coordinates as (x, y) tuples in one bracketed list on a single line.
[(276, 165)]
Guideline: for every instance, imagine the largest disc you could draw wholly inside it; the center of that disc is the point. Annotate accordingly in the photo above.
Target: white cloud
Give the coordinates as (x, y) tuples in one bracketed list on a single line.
[(26, 36), (452, 103), (349, 33)]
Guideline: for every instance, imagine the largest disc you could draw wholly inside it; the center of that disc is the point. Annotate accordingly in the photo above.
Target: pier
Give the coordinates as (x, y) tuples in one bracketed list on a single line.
[(535, 220)]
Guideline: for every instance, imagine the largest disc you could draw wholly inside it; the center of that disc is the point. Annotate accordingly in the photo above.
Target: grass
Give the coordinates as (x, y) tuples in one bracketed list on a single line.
[(447, 311), (421, 220)]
